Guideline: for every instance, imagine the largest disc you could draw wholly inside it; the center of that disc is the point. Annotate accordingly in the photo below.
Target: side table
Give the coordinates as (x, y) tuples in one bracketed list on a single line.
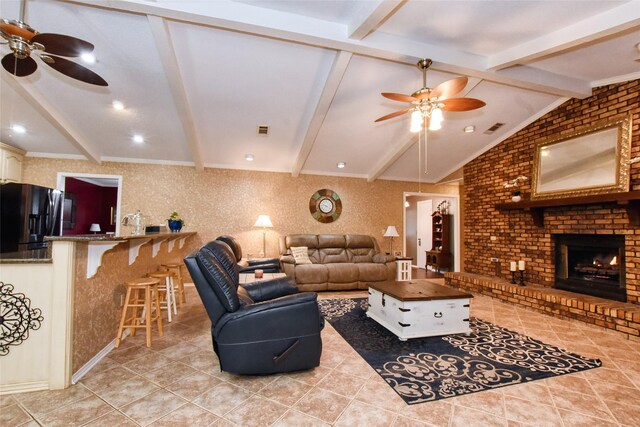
[(403, 269)]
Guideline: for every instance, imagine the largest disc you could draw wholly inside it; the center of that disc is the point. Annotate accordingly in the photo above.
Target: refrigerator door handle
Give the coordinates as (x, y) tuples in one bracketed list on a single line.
[(49, 213), (53, 199)]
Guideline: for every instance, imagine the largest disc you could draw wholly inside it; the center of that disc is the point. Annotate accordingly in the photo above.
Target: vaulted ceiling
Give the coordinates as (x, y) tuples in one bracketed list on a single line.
[(198, 77)]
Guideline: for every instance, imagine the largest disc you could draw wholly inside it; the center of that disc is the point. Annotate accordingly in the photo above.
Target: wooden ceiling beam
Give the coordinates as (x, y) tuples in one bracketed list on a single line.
[(371, 18), (605, 24), (394, 154), (339, 67), (28, 92), (169, 61), (294, 28)]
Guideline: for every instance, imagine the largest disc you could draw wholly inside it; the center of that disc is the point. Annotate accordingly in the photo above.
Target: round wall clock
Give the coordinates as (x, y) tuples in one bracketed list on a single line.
[(325, 206)]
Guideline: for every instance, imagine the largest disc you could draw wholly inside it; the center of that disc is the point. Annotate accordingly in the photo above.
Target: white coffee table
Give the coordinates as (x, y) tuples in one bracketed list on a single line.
[(250, 277), (419, 308)]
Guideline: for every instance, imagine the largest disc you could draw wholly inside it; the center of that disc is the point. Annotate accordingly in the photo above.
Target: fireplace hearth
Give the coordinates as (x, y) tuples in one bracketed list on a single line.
[(591, 264)]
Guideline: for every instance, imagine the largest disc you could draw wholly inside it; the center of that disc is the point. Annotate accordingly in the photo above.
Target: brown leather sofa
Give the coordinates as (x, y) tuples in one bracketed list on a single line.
[(339, 261)]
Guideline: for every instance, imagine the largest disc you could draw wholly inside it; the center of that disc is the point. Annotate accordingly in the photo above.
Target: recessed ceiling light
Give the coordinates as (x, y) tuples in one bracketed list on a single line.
[(249, 157), (138, 139), (117, 105), (341, 165), (469, 129), (89, 58), (18, 128)]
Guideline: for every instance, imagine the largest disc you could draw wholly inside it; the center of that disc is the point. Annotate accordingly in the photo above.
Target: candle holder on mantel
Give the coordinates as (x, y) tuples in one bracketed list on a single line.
[(513, 278), (521, 278)]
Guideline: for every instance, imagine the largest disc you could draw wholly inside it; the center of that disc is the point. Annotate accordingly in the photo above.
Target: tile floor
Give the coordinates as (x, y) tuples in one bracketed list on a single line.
[(178, 382)]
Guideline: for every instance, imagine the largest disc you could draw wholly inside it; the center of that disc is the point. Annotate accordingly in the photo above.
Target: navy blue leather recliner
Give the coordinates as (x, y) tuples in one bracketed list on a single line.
[(267, 265), (261, 328)]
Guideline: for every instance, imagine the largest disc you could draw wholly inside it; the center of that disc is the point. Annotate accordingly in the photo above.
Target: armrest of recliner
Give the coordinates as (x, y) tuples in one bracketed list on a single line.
[(267, 268), (381, 258), (287, 259), (271, 289), (268, 261), (296, 314)]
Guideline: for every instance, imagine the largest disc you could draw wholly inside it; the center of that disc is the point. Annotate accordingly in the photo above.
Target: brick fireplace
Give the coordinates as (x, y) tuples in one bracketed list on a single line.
[(512, 235), (591, 264)]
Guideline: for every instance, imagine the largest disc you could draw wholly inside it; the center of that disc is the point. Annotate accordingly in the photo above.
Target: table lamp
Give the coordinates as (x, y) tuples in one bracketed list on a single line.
[(265, 222), (391, 232), (95, 228)]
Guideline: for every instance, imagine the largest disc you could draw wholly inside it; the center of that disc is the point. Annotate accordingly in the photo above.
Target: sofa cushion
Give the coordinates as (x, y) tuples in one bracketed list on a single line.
[(359, 241), (358, 255), (369, 272), (332, 241), (308, 240), (342, 273), (311, 273), (300, 254), (333, 255)]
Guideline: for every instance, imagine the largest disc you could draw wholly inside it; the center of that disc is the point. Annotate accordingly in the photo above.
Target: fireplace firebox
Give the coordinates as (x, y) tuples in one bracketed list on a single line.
[(591, 264)]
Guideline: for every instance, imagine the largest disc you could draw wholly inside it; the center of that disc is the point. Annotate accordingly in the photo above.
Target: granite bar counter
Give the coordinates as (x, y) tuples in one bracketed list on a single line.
[(73, 301), (112, 237)]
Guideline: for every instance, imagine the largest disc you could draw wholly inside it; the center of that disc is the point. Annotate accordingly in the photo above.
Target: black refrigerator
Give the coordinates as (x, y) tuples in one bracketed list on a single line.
[(28, 213)]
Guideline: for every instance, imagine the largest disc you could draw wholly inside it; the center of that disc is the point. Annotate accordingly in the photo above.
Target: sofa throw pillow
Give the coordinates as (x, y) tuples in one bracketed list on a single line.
[(300, 254)]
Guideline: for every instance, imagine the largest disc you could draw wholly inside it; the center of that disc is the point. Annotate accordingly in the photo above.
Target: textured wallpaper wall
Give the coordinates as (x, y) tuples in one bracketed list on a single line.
[(223, 201), (96, 308)]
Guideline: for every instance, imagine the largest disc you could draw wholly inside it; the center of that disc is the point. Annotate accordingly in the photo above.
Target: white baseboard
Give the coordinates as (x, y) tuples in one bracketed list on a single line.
[(96, 359), (101, 354), (24, 387)]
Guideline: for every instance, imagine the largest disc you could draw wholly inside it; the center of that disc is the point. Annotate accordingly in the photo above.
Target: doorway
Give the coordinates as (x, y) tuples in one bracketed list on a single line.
[(91, 203), (418, 208), (423, 231)]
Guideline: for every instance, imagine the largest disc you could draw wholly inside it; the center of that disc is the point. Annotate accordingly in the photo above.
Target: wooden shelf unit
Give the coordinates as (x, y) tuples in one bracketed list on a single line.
[(440, 254), (629, 201)]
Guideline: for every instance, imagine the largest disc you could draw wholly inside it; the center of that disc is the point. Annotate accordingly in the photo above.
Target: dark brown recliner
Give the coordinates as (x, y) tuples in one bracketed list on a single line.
[(261, 328)]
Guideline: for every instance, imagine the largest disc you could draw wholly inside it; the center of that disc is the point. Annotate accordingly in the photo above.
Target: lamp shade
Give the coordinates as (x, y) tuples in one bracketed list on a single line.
[(95, 228), (263, 221), (391, 231)]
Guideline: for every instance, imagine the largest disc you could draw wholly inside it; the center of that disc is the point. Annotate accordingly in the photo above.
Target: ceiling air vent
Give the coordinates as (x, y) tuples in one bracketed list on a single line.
[(263, 130), (493, 128)]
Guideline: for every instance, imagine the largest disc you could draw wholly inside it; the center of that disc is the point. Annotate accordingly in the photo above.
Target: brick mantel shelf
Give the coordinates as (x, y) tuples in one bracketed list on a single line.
[(629, 200)]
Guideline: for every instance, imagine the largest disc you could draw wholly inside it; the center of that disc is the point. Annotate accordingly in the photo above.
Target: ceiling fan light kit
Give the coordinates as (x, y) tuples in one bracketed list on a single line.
[(24, 40), (428, 103)]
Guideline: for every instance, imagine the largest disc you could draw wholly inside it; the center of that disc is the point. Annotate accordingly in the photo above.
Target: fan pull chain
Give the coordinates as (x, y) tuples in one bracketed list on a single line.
[(426, 135), (419, 163)]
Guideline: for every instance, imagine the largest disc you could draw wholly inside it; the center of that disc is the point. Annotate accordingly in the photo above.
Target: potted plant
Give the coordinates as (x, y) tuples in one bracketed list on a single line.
[(175, 222), (514, 185)]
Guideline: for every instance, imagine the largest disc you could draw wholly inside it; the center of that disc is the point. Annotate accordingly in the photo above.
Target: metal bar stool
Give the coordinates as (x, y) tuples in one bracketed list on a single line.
[(169, 291), (142, 298), (176, 268)]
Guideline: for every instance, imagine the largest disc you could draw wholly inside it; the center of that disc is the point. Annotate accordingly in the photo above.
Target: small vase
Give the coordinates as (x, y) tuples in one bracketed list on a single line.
[(175, 225)]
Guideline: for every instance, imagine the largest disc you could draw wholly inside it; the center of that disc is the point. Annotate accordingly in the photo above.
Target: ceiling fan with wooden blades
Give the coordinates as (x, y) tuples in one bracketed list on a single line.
[(428, 103), (24, 41)]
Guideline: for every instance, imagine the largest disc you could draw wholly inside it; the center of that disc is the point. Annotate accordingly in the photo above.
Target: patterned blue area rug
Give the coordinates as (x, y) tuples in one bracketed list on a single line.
[(427, 369)]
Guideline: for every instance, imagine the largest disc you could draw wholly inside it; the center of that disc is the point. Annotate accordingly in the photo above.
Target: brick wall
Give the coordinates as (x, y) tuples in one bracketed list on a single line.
[(516, 237)]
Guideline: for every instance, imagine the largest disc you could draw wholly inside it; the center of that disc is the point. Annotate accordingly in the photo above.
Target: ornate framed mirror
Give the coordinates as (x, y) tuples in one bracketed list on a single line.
[(593, 160)]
